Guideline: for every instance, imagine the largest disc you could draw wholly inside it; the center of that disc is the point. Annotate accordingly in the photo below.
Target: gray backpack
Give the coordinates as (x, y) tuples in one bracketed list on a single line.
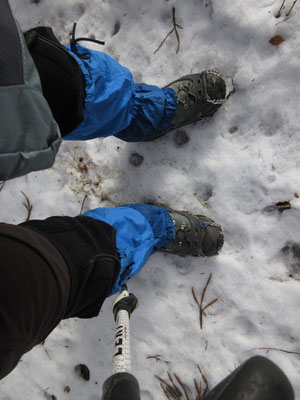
[(29, 135)]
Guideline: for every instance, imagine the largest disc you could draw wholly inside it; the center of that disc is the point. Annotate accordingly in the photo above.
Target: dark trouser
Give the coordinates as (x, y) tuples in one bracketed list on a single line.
[(51, 270)]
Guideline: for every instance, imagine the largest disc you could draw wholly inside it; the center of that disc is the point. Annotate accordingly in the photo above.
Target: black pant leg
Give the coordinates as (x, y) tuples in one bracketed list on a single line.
[(51, 269), (89, 248), (34, 292)]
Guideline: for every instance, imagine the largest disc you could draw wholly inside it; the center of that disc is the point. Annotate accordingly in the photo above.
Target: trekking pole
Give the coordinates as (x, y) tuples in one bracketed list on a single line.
[(122, 385), (256, 379)]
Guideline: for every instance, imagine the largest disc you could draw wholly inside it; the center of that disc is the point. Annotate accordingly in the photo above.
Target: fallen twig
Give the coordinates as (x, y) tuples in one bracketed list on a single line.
[(200, 304), (204, 380), (85, 197), (2, 185), (174, 29), (173, 392), (288, 14), (285, 19), (278, 15), (182, 385), (165, 391), (198, 389), (174, 386), (28, 206), (157, 358), (277, 349), (290, 10), (168, 389)]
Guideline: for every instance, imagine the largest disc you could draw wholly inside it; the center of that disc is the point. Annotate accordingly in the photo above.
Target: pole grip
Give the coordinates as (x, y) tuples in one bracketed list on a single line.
[(121, 386), (121, 360)]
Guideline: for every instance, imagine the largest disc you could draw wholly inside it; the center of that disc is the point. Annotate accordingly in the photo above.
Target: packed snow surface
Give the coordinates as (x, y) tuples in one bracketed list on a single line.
[(234, 168)]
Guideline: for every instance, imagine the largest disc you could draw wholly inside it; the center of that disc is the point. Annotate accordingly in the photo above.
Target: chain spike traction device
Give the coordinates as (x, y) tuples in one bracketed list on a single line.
[(122, 385)]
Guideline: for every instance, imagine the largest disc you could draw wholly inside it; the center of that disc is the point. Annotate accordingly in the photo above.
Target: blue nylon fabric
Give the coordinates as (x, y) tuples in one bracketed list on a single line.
[(109, 92), (141, 230), (153, 111), (114, 102)]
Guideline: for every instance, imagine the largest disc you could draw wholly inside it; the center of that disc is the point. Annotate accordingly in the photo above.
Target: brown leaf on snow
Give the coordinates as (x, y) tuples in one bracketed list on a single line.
[(67, 389), (83, 168), (276, 40)]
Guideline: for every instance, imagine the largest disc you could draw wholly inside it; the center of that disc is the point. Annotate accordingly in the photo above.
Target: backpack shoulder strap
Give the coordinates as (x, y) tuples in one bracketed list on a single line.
[(30, 136)]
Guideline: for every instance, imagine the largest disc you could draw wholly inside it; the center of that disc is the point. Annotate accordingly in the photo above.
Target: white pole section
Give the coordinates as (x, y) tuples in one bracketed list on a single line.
[(121, 361), (123, 306)]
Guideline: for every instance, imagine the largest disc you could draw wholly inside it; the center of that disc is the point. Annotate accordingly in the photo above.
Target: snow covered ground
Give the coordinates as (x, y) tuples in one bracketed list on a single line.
[(234, 168)]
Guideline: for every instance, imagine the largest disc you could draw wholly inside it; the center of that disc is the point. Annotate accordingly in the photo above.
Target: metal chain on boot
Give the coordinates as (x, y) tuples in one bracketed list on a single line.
[(215, 73)]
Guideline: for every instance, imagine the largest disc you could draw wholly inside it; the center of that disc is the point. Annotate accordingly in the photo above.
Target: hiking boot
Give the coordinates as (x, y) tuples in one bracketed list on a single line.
[(198, 97), (195, 235)]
